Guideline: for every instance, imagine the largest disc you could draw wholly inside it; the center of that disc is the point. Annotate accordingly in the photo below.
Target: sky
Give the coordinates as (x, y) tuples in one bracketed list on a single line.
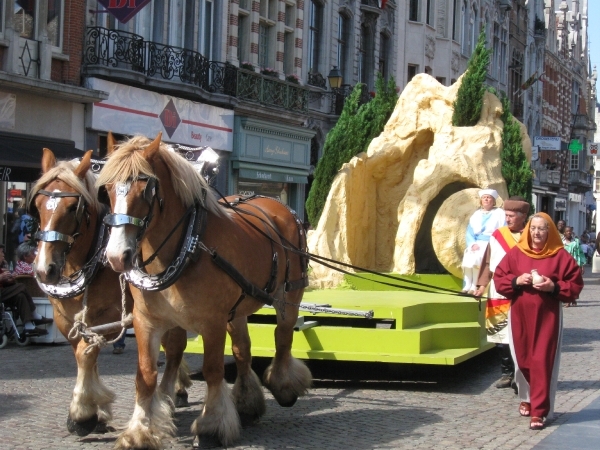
[(594, 32)]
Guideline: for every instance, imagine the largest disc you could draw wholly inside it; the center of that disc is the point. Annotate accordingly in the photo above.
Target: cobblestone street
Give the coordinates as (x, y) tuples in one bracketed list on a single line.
[(409, 407)]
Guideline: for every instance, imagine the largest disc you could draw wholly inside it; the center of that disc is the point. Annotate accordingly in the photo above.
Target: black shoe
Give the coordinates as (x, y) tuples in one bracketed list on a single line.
[(42, 321), (35, 332), (504, 382)]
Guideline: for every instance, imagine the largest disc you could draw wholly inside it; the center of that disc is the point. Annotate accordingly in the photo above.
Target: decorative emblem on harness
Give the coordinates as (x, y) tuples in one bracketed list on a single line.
[(122, 189)]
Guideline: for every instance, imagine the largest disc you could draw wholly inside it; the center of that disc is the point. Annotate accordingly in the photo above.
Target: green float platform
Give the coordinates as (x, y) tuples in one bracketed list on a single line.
[(406, 327)]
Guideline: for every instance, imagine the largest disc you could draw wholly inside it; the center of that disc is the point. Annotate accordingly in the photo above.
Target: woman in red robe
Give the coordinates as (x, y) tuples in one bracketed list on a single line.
[(535, 319)]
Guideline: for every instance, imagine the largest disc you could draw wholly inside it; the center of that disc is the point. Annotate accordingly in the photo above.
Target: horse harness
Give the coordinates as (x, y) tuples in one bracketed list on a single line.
[(191, 247), (76, 283)]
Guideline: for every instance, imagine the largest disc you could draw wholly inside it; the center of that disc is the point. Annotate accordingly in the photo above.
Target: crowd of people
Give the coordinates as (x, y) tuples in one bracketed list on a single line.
[(529, 268)]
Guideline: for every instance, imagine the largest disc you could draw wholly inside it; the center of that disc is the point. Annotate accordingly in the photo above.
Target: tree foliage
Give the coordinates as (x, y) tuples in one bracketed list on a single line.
[(516, 170), (357, 126), (469, 98)]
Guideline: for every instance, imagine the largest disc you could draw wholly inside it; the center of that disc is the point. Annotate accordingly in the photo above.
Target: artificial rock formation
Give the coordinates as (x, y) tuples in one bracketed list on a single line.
[(403, 206)]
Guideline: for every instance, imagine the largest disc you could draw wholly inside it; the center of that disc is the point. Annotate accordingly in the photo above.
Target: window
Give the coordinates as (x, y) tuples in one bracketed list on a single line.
[(384, 51), (474, 29), (314, 35), (25, 18), (366, 56), (464, 29), (412, 71), (454, 20), (263, 46), (343, 45), (430, 12), (243, 42), (54, 23), (1, 16), (190, 18), (413, 11), (206, 38), (574, 161), (289, 40)]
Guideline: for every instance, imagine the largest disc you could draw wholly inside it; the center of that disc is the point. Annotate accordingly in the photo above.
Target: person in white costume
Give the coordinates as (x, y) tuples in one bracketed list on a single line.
[(482, 224)]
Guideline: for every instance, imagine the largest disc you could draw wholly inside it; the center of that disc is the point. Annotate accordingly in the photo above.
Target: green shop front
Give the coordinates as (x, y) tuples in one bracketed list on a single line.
[(271, 159)]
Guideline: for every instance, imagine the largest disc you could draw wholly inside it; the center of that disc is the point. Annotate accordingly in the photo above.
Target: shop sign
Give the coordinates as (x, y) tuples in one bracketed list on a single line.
[(182, 121), (264, 175), (22, 174), (547, 142), (560, 204), (123, 10), (14, 192), (593, 148)]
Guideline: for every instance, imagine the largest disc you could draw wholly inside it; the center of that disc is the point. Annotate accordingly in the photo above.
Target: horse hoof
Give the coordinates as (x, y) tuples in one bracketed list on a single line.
[(181, 400), (103, 428), (247, 420), (289, 403), (206, 441), (82, 428)]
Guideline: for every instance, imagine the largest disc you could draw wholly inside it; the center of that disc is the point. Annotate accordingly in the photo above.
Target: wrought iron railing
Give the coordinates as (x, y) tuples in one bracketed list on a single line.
[(580, 177), (270, 91), (112, 48), (128, 51)]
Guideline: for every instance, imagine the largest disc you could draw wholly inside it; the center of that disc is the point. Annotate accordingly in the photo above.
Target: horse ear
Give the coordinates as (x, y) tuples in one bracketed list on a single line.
[(150, 151), (110, 143), (84, 165), (48, 160)]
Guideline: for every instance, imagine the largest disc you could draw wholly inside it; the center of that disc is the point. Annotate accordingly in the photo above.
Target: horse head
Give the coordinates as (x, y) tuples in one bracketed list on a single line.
[(133, 197), (61, 201)]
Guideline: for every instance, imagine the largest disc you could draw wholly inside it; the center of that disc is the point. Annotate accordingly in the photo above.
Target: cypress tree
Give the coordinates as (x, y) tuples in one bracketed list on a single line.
[(357, 126), (469, 98), (516, 170)]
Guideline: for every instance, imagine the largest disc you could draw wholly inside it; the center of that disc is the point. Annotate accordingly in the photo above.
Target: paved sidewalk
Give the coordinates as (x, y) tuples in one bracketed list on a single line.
[(410, 407)]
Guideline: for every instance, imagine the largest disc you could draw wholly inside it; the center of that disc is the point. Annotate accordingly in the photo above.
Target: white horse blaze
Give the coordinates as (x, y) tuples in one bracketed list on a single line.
[(118, 241), (43, 259)]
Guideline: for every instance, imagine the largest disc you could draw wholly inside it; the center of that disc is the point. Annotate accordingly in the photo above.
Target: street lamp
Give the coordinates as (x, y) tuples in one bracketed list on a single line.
[(335, 78)]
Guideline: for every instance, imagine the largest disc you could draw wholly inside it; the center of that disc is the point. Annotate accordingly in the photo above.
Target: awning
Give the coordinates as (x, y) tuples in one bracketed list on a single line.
[(270, 173), (21, 155)]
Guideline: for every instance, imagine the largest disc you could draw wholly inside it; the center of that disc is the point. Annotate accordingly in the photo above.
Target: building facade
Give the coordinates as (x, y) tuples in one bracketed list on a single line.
[(563, 173), (42, 101)]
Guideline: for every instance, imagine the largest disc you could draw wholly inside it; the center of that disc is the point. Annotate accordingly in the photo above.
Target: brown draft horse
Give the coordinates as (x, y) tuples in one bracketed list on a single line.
[(69, 213), (146, 180)]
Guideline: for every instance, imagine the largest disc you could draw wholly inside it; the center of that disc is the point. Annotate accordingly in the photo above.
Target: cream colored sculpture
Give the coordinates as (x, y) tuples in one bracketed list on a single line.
[(403, 206)]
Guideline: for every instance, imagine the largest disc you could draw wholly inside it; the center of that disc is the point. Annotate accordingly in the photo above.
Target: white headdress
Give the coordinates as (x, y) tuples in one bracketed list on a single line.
[(491, 192)]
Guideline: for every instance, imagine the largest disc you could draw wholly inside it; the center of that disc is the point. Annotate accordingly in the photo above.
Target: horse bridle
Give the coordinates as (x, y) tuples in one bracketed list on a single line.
[(150, 195), (56, 236)]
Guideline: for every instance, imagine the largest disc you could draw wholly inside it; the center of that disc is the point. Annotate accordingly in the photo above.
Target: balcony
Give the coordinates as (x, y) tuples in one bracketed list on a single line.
[(123, 56), (549, 177), (580, 181)]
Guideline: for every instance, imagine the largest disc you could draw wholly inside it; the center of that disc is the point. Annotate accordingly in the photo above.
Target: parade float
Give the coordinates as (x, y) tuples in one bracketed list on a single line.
[(401, 208)]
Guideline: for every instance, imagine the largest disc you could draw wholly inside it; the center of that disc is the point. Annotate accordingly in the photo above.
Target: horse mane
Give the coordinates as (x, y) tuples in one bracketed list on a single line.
[(127, 162), (63, 171)]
